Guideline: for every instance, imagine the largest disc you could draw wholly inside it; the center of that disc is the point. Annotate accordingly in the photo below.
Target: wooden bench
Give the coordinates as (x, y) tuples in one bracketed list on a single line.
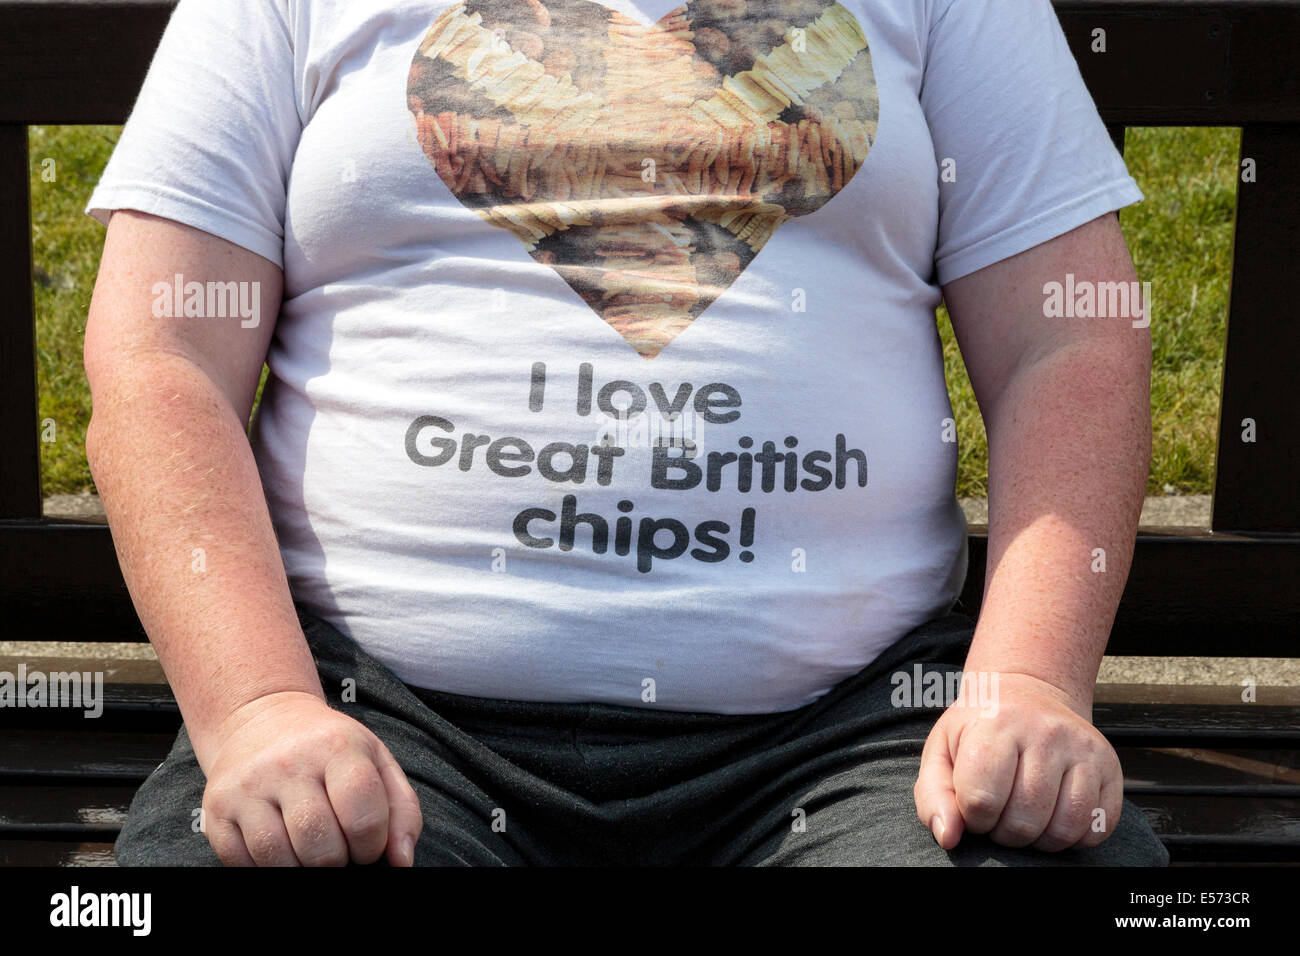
[(1218, 777)]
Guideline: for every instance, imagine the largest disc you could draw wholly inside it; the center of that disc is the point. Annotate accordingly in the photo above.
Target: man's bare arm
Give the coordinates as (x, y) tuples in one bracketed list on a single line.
[(169, 452), (1066, 404), (174, 469)]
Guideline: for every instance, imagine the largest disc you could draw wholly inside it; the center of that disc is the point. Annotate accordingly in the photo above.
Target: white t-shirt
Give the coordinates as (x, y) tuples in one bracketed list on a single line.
[(501, 222)]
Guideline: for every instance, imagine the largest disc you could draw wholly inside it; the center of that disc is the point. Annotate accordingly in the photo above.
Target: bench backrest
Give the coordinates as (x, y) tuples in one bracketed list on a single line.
[(1231, 591)]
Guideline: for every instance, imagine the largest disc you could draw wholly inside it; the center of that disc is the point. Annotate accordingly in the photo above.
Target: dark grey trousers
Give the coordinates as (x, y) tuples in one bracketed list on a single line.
[(516, 783)]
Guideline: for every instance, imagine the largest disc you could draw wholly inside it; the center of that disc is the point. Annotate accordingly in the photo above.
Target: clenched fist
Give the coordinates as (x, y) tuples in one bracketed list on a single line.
[(1031, 772), (296, 783)]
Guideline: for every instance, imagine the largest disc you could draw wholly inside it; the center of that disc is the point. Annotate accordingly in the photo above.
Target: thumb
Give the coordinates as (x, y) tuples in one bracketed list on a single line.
[(405, 820), (936, 799)]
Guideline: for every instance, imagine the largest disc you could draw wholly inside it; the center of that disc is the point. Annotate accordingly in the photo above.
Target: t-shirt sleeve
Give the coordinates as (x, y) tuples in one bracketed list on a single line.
[(211, 138), (1006, 103)]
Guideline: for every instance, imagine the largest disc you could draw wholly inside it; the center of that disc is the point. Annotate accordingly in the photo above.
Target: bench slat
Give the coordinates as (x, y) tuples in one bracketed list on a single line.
[(1274, 773), (1127, 724), (1195, 829), (1189, 73), (1256, 482), (1208, 806), (75, 755), (56, 853), (20, 466), (115, 44), (1224, 828), (1168, 725), (1186, 595), (1194, 593), (100, 807)]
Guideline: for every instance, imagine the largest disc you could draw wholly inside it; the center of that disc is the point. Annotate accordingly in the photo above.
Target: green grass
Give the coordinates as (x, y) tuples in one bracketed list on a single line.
[(66, 245), (1180, 238)]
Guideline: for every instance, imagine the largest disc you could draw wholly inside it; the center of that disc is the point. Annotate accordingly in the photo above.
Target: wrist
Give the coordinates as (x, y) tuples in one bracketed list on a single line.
[(209, 740), (1064, 661), (1073, 693)]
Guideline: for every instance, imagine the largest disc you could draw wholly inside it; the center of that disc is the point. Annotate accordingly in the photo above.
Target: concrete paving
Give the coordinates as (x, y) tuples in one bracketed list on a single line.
[(1166, 511)]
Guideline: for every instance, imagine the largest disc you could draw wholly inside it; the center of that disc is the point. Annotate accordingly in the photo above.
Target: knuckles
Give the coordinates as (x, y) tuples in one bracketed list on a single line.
[(257, 771), (1018, 831), (264, 846), (367, 826), (976, 804), (1062, 835)]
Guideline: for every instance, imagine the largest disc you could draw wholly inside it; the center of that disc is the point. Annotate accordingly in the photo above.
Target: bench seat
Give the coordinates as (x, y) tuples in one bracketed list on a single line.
[(1218, 781)]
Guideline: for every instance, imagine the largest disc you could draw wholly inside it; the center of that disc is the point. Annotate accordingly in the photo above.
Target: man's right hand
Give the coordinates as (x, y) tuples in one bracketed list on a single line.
[(295, 783), (290, 781)]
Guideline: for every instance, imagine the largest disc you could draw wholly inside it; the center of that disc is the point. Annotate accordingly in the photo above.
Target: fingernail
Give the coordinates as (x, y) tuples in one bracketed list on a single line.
[(408, 851), (936, 828)]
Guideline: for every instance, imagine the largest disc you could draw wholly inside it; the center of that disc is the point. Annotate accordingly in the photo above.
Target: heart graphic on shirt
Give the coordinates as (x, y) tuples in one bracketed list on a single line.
[(647, 165)]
